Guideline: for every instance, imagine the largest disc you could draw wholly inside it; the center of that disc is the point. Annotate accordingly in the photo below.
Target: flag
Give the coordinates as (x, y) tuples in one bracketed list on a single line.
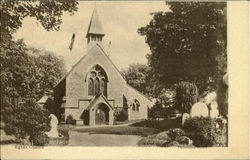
[(72, 42)]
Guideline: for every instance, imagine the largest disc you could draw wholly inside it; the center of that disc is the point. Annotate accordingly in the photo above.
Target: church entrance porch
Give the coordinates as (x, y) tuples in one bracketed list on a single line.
[(102, 114)]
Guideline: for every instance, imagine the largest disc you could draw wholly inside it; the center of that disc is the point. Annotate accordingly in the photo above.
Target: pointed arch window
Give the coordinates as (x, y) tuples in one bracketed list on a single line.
[(97, 82), (97, 86), (91, 86), (137, 105)]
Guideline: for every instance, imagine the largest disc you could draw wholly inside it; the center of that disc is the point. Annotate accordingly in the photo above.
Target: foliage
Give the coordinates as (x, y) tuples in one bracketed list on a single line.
[(138, 76), (186, 96), (70, 120), (205, 132), (63, 138), (120, 114), (222, 98), (41, 140), (21, 123), (47, 12), (173, 137), (156, 111), (166, 97), (187, 43), (28, 72)]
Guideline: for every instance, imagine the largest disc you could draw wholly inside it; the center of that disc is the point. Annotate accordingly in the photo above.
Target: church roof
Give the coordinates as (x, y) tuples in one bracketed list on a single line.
[(95, 25), (98, 97), (97, 45)]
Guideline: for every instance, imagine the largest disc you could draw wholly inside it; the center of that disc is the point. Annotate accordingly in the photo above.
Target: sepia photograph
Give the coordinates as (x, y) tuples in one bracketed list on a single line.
[(138, 74)]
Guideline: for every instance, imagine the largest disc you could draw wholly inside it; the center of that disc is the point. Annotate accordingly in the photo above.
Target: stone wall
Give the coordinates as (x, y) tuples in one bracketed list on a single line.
[(77, 86)]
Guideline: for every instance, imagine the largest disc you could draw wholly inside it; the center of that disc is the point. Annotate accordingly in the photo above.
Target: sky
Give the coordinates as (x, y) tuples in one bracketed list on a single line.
[(120, 21)]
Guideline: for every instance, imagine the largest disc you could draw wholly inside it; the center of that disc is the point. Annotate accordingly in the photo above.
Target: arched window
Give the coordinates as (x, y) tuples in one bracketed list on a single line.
[(91, 86), (103, 87), (98, 81), (133, 108), (137, 105), (97, 86)]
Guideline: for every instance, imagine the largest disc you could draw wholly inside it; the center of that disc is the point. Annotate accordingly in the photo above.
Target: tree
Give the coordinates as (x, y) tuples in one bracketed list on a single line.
[(21, 123), (26, 75), (156, 111), (28, 72), (138, 76), (166, 97), (47, 12), (186, 42), (186, 96)]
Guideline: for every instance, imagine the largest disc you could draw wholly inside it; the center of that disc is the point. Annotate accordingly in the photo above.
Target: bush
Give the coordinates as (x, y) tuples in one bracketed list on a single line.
[(186, 96), (40, 140), (203, 132), (25, 119), (63, 138), (170, 138), (120, 114), (70, 120)]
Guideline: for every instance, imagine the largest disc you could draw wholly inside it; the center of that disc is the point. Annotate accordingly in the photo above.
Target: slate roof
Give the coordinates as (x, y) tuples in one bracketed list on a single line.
[(95, 25)]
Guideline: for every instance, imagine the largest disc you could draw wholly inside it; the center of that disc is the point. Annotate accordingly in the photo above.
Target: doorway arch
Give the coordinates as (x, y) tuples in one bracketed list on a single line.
[(102, 114)]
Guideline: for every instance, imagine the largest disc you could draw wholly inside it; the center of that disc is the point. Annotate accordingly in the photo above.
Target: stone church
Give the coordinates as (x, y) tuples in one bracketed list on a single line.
[(94, 88)]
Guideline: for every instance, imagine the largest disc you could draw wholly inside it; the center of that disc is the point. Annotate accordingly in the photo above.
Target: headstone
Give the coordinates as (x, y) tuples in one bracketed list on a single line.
[(53, 123), (184, 117), (199, 109), (214, 110), (210, 97)]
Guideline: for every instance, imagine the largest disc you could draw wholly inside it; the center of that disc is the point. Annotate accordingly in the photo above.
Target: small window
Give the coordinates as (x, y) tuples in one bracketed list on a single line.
[(91, 86), (133, 108), (137, 105)]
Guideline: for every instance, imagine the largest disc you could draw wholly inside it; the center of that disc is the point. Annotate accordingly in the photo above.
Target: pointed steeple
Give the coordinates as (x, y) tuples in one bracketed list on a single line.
[(95, 32)]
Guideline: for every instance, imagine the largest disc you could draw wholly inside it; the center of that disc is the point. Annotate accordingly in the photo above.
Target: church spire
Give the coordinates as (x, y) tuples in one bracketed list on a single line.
[(95, 32)]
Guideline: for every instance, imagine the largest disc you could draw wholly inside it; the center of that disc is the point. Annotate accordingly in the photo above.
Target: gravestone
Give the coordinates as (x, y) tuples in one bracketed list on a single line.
[(210, 97), (53, 123), (184, 117), (214, 110), (199, 109)]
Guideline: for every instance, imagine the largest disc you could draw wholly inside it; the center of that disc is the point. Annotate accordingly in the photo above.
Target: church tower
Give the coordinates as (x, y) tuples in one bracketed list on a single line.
[(95, 32)]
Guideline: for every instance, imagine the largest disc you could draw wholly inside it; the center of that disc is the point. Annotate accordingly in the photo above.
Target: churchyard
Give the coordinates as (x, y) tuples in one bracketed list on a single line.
[(176, 97)]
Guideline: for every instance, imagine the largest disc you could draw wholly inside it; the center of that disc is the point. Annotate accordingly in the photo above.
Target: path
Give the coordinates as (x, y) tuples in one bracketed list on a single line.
[(88, 139), (97, 126)]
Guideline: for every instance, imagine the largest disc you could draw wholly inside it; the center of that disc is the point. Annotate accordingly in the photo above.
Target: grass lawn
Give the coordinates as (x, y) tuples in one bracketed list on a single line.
[(120, 130)]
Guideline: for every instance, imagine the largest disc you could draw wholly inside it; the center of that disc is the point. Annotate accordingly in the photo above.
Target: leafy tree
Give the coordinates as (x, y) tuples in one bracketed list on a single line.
[(166, 97), (26, 119), (187, 43), (28, 72), (138, 76), (186, 96), (156, 111), (47, 12), (26, 75)]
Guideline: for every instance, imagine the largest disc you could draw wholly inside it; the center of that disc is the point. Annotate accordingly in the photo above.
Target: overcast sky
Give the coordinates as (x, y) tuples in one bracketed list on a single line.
[(120, 22)]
